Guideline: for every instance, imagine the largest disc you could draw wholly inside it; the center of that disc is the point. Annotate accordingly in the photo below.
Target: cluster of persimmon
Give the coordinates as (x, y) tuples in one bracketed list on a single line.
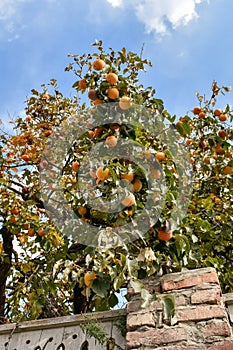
[(109, 89), (28, 146), (26, 229), (201, 112), (213, 147), (110, 86), (103, 174)]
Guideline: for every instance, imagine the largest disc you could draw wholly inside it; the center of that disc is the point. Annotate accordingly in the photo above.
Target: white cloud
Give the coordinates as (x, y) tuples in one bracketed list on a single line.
[(11, 18), (8, 8), (116, 3), (160, 15)]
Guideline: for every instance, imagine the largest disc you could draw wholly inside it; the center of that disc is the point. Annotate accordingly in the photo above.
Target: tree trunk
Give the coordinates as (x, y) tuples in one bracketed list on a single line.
[(5, 265)]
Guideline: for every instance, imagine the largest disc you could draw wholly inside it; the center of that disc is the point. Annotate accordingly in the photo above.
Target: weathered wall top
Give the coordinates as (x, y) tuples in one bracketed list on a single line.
[(62, 333)]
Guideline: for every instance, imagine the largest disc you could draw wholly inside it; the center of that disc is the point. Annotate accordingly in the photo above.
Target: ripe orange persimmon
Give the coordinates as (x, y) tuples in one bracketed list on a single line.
[(28, 118), (227, 170), (217, 112), (97, 131), (207, 160), (147, 154), (164, 235), (222, 134), (113, 93), (26, 226), (115, 127), (202, 144), (129, 200), (47, 133), (14, 219), (102, 174), (155, 173), (196, 110), (73, 181), (82, 210), (46, 96), (111, 141), (228, 154), (89, 277), (25, 190), (98, 64), (128, 176), (26, 157), (91, 133), (31, 232), (137, 185), (219, 150), (92, 94), (82, 84), (202, 115), (97, 102), (43, 164), (160, 156), (40, 232), (125, 103), (112, 78), (75, 166), (15, 211), (188, 142), (222, 117)]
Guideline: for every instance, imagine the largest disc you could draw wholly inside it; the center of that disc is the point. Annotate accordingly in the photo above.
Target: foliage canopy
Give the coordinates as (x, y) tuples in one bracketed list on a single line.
[(46, 273)]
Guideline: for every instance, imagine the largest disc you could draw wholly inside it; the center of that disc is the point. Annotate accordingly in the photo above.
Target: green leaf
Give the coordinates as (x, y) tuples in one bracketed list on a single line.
[(75, 85), (118, 281), (100, 287), (113, 300), (168, 302)]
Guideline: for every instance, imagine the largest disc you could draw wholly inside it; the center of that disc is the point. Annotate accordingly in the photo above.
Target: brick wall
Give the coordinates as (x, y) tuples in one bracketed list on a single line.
[(201, 323)]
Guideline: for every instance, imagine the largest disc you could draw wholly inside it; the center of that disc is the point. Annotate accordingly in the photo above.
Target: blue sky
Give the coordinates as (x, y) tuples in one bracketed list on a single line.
[(189, 42)]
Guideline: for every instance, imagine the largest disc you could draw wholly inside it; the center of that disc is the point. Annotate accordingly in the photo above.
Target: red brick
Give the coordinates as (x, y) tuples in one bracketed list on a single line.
[(134, 306), (180, 300), (133, 340), (199, 313), (209, 296), (226, 345), (187, 282), (217, 328), (135, 321), (155, 337), (151, 284)]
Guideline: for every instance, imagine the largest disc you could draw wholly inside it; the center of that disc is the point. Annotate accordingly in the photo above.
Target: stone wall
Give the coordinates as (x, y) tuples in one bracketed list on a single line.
[(201, 322)]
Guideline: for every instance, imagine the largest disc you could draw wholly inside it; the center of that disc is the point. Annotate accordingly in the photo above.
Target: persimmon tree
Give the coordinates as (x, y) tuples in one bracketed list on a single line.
[(45, 269)]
